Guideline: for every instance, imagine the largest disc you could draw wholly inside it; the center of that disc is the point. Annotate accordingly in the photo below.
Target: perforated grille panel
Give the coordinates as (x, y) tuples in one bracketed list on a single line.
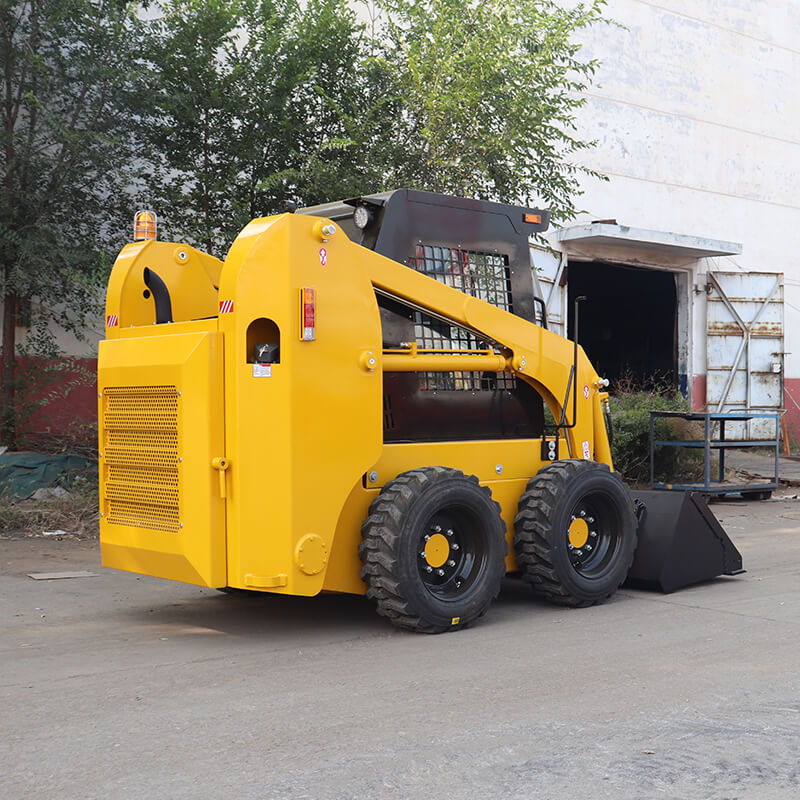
[(140, 455), (482, 275)]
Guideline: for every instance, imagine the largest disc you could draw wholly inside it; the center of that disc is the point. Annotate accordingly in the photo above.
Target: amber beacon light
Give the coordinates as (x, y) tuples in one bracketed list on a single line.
[(144, 225)]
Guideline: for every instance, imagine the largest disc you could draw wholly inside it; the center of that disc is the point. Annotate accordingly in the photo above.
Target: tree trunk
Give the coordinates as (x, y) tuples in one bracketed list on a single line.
[(206, 184), (8, 412), (8, 360)]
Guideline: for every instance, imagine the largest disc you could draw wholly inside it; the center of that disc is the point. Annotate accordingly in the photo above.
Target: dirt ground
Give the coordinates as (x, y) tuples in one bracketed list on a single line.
[(123, 686)]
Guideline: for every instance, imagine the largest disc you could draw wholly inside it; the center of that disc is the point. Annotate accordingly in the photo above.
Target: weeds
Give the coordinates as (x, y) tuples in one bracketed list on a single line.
[(631, 405), (75, 513), (77, 437)]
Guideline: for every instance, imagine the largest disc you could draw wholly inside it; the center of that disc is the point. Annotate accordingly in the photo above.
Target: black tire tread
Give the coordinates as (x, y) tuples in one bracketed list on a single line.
[(380, 535), (531, 524)]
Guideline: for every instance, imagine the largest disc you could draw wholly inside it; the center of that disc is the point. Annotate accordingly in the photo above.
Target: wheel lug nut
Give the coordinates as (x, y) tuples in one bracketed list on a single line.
[(578, 552), (449, 532), (593, 534), (429, 568), (423, 555), (588, 548), (583, 513), (440, 571), (572, 518), (451, 563), (590, 520), (437, 528), (571, 547), (454, 546), (427, 537)]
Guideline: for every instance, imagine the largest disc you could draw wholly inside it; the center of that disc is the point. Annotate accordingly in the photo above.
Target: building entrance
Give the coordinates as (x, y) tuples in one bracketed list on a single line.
[(628, 323)]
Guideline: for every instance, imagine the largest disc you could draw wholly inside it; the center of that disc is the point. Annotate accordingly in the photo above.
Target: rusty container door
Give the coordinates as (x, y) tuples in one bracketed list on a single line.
[(547, 269), (744, 348)]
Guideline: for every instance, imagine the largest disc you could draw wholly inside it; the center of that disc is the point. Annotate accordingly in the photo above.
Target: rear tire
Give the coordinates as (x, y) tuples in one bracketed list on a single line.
[(575, 533), (433, 550)]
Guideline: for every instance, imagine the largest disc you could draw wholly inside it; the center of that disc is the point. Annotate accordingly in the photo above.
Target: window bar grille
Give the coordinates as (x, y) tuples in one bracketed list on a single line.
[(482, 275)]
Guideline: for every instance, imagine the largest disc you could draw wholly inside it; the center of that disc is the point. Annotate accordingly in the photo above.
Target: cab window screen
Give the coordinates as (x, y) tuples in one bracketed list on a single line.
[(482, 275)]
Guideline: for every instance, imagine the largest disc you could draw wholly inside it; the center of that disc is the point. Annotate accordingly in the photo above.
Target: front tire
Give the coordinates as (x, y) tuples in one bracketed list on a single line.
[(433, 550), (575, 533)]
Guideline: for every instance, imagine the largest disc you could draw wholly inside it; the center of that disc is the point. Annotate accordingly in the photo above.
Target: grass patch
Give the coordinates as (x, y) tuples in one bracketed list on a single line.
[(631, 405), (76, 513)]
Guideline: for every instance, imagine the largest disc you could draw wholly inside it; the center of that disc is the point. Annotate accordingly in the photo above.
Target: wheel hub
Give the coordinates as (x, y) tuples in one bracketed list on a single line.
[(448, 555), (437, 550), (582, 537), (578, 532)]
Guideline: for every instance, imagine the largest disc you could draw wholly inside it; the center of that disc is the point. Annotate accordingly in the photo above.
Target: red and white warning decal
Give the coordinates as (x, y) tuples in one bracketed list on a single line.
[(587, 451), (586, 392), (112, 321), (225, 306), (323, 257)]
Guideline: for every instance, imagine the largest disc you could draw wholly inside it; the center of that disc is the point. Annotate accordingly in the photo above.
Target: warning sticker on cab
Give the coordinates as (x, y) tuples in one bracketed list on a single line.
[(586, 392), (587, 451), (262, 370)]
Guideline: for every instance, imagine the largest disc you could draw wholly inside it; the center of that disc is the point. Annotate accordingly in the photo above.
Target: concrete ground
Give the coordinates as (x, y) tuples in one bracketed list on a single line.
[(753, 466), (122, 686)]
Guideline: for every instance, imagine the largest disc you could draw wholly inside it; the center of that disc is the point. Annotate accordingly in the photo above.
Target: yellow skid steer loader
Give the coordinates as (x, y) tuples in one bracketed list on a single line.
[(354, 401)]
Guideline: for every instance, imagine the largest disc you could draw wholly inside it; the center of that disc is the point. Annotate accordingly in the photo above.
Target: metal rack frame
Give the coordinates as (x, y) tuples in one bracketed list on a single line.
[(708, 486)]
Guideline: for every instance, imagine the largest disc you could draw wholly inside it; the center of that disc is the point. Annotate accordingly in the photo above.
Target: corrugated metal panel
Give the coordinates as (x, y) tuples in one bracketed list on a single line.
[(548, 268), (744, 346)]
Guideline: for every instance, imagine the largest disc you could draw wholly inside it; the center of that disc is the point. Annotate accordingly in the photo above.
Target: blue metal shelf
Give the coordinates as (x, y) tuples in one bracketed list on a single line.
[(720, 444)]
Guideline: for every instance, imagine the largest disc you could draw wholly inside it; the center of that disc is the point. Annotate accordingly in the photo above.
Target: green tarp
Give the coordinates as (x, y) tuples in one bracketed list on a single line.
[(21, 474)]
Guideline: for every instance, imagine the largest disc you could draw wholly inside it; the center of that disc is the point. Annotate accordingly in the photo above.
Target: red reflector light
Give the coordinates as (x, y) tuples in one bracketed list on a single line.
[(144, 225), (534, 219), (308, 314)]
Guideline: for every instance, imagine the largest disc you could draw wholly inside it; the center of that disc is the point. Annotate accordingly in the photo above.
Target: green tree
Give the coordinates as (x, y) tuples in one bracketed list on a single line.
[(488, 93), (256, 100), (189, 165), (69, 97), (304, 120)]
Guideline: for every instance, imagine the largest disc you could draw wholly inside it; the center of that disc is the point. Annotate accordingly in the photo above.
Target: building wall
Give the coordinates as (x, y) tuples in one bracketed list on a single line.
[(696, 116)]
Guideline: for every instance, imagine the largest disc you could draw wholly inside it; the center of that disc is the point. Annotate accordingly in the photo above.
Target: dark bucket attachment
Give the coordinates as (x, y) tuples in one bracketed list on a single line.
[(680, 542)]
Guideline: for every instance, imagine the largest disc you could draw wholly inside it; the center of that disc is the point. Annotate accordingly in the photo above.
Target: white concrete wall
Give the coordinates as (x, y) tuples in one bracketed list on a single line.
[(66, 341), (696, 113)]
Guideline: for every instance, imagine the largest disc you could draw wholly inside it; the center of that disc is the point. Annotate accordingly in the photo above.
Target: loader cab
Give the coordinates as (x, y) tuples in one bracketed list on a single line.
[(480, 248)]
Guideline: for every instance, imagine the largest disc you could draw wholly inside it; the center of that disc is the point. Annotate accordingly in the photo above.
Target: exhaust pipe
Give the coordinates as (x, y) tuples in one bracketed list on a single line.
[(160, 296)]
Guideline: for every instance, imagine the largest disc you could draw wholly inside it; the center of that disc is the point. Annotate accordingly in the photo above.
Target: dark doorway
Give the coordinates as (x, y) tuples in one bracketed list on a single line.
[(628, 320)]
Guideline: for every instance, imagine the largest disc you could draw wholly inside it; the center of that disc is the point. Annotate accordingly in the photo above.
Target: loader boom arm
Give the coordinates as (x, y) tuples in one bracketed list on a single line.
[(540, 357)]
